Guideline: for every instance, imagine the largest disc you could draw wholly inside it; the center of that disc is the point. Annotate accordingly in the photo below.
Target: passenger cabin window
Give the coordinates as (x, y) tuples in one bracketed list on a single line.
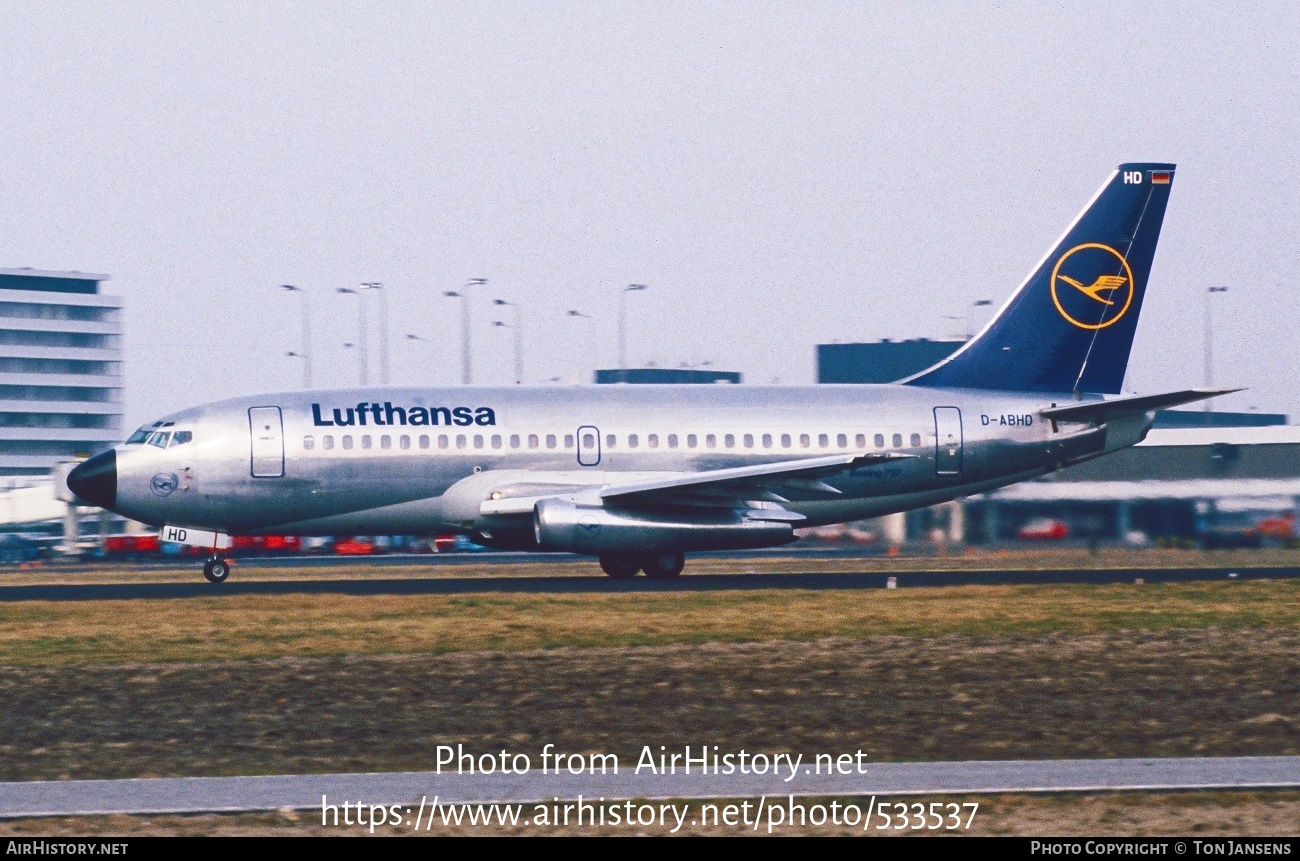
[(308, 442), (404, 441), (749, 440), (672, 440), (347, 441), (842, 440), (550, 440), (861, 440), (365, 440), (880, 440), (691, 440), (898, 440), (568, 440), (385, 441), (443, 441), (823, 440), (652, 440), (785, 440), (916, 440), (327, 442), (767, 440), (496, 440), (588, 440), (609, 440), (478, 440), (424, 440), (805, 441), (711, 441), (461, 442), (632, 441), (729, 440), (514, 440), (532, 440)]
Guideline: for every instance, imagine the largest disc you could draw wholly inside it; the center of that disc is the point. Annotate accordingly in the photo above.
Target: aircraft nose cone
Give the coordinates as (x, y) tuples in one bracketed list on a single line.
[(96, 479)]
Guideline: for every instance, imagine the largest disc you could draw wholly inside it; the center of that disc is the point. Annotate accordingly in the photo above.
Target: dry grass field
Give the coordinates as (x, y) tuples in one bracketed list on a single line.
[(274, 684)]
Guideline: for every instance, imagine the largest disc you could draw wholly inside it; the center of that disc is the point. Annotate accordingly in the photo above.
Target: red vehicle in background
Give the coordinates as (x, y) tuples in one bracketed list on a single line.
[(354, 547), (144, 544), (1044, 529)]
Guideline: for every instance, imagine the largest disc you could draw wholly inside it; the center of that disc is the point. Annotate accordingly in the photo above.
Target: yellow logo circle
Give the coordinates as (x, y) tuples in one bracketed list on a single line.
[(1103, 288)]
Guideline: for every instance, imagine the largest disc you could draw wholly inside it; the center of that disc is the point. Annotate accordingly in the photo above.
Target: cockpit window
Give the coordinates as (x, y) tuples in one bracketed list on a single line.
[(160, 439), (181, 437), (138, 437)]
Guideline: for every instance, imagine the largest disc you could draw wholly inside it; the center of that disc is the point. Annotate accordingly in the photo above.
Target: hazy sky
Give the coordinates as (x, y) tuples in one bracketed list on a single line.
[(779, 174)]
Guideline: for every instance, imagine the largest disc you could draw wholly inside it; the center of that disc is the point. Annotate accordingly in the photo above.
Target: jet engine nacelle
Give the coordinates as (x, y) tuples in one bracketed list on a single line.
[(561, 526)]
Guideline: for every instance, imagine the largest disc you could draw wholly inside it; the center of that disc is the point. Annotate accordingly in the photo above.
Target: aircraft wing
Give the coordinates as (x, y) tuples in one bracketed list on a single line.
[(794, 474), (738, 485), (1117, 408)]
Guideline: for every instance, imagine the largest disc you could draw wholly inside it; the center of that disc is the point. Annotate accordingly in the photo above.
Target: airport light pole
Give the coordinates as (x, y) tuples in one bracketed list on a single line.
[(519, 336), (590, 337), (1209, 343), (383, 328), (466, 372), (361, 317), (622, 322), (305, 355)]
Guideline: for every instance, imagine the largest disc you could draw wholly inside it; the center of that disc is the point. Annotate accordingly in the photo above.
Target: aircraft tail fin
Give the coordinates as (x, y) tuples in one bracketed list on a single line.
[(1070, 325)]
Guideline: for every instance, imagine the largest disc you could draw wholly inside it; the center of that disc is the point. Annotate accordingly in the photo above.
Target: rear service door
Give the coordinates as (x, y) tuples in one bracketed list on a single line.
[(947, 441), (267, 431)]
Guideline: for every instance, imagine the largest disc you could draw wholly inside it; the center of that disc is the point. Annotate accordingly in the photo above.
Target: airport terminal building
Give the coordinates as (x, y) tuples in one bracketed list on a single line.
[(60, 371)]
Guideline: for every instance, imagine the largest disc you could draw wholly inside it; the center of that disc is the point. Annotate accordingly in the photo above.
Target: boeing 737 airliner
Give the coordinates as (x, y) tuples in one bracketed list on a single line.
[(640, 475)]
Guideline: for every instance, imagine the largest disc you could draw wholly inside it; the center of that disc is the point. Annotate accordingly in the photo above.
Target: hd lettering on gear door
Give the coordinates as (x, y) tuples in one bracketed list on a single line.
[(266, 428)]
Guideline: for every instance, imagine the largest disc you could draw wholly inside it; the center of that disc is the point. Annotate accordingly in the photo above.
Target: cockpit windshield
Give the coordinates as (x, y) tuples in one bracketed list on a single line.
[(157, 434)]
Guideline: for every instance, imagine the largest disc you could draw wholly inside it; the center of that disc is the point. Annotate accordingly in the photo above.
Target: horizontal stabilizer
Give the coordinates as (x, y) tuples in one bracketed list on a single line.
[(1102, 411)]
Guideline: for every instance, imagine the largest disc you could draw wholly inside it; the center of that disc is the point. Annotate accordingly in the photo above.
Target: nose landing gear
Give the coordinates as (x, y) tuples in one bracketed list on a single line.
[(216, 569)]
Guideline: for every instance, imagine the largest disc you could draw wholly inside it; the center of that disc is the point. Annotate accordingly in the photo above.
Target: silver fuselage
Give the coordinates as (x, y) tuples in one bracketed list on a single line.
[(425, 460)]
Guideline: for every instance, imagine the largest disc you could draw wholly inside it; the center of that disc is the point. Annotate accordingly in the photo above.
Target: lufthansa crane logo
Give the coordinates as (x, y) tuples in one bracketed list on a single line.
[(163, 483), (1092, 286)]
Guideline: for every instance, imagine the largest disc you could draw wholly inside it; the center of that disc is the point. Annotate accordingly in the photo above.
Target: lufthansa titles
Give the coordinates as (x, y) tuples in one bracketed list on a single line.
[(387, 414)]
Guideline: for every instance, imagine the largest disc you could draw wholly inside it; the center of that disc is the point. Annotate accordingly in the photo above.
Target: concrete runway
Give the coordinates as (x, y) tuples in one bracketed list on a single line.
[(406, 789), (571, 584)]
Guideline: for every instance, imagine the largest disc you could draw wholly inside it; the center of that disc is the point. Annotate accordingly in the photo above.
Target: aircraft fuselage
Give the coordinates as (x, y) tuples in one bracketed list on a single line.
[(413, 460)]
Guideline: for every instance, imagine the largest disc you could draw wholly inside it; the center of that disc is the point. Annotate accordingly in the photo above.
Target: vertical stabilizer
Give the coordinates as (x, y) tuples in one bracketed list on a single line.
[(1070, 325)]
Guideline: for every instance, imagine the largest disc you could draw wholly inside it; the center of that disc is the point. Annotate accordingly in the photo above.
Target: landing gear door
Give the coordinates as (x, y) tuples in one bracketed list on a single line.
[(588, 446), (267, 431), (947, 441)]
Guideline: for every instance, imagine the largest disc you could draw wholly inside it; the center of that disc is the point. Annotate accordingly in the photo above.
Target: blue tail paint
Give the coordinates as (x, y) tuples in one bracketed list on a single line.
[(1069, 328)]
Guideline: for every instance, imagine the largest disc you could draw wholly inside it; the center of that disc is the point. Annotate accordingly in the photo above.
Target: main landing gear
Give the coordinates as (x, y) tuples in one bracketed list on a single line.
[(216, 569), (657, 566)]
